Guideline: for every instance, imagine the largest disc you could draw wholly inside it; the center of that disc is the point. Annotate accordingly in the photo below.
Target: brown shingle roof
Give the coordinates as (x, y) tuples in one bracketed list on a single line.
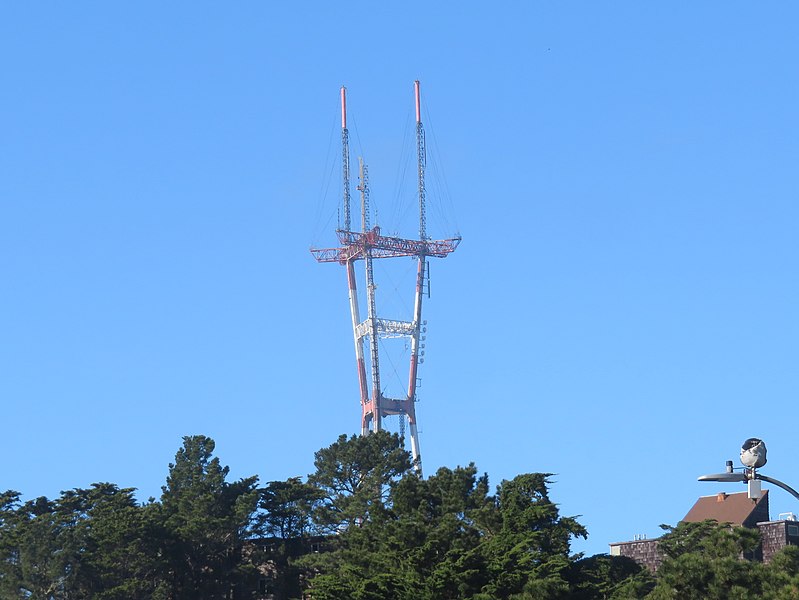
[(737, 509)]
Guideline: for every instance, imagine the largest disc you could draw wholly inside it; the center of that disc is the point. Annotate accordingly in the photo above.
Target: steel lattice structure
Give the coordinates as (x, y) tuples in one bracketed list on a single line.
[(367, 245)]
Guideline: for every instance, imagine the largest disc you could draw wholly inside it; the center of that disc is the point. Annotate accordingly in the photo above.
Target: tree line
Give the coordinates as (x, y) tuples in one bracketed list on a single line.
[(386, 535)]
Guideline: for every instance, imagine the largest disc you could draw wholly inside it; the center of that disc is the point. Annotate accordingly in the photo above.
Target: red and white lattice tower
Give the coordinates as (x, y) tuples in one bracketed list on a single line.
[(369, 244)]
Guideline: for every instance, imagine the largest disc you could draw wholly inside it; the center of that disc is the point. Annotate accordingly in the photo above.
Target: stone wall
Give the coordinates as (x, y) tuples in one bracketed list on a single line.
[(775, 535), (644, 552)]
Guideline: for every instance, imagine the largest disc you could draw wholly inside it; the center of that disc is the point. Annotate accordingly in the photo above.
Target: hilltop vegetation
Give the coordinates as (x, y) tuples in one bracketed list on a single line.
[(387, 535)]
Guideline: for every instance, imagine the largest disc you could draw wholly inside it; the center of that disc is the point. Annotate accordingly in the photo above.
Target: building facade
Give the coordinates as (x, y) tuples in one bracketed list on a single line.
[(737, 509)]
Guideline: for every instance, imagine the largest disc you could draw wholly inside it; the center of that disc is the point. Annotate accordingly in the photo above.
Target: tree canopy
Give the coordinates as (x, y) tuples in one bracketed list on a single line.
[(362, 526)]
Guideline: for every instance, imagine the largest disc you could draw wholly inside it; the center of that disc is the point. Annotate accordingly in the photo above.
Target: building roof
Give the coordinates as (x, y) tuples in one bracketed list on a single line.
[(737, 509)]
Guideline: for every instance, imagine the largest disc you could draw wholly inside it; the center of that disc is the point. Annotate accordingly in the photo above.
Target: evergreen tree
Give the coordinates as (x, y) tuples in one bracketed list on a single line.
[(206, 522), (438, 539), (286, 508), (121, 558), (705, 560), (781, 577), (113, 543), (39, 549), (529, 556), (353, 476), (602, 577), (393, 536), (11, 580)]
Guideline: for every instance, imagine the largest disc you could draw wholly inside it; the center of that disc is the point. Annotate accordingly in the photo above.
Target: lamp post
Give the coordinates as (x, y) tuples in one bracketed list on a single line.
[(753, 456)]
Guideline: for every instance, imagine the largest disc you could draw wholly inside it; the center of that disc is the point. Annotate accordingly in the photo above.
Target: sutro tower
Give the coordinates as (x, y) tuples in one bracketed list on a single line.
[(368, 244)]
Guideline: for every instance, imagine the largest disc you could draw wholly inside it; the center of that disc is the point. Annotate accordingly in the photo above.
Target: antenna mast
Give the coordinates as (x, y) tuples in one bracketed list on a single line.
[(363, 187), (345, 158), (421, 157), (371, 310)]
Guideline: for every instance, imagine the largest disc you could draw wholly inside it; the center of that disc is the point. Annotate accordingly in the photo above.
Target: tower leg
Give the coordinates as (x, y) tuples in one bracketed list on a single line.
[(414, 366), (356, 319), (366, 421), (415, 455)]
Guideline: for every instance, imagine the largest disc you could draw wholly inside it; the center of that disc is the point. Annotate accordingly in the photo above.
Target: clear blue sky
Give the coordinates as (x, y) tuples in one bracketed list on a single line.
[(622, 312)]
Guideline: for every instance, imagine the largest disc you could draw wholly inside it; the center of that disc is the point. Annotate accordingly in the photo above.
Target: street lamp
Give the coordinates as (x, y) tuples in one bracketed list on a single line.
[(753, 456)]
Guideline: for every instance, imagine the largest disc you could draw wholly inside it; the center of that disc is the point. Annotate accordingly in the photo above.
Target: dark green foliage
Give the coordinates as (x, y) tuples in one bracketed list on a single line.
[(117, 550), (782, 577), (390, 536), (394, 536), (352, 476), (284, 520), (446, 538), (704, 560), (531, 551), (603, 576), (95, 543), (709, 538), (37, 549), (100, 544), (206, 521), (287, 507)]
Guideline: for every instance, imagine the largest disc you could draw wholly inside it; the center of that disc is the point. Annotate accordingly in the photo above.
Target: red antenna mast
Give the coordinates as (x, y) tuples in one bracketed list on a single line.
[(368, 245)]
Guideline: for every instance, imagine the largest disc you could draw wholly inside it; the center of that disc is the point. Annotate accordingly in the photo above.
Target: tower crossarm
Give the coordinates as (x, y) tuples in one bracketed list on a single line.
[(386, 328), (355, 245), (391, 328), (393, 406)]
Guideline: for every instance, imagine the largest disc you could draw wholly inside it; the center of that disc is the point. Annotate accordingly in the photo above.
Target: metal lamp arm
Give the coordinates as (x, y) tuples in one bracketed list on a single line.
[(779, 483)]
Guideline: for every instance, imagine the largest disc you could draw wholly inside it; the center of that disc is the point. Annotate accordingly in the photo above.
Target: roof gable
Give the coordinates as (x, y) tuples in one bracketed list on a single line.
[(736, 508)]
